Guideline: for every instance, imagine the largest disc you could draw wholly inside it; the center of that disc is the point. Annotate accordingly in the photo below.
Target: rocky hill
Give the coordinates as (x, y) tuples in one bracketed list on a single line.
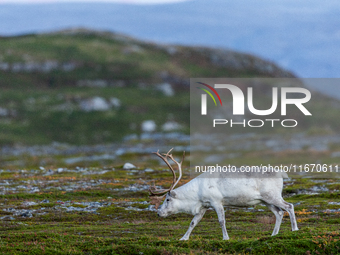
[(82, 57), (86, 87)]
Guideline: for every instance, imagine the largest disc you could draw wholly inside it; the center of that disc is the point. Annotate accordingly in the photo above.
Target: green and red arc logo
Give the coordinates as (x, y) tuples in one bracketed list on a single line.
[(209, 93)]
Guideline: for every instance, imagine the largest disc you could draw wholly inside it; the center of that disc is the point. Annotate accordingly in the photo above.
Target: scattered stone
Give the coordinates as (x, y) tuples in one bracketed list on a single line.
[(34, 190), (148, 126), (68, 67), (149, 170), (334, 203), (171, 126), (7, 217), (319, 189), (29, 203), (166, 89), (49, 172), (331, 211), (4, 112), (135, 187), (90, 207), (128, 166), (94, 104), (151, 208), (100, 172), (26, 214), (115, 102), (4, 66)]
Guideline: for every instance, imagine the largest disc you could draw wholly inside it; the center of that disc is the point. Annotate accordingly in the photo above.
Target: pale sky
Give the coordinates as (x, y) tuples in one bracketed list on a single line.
[(94, 1)]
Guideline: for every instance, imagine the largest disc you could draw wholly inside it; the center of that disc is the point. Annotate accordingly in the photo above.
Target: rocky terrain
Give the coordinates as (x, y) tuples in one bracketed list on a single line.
[(104, 210), (237, 149)]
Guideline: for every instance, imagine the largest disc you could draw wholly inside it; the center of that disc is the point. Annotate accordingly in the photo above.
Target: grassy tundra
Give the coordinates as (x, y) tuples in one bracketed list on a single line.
[(120, 223)]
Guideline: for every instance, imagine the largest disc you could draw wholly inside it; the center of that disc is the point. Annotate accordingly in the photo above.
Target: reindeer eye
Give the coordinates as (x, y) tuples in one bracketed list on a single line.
[(168, 200)]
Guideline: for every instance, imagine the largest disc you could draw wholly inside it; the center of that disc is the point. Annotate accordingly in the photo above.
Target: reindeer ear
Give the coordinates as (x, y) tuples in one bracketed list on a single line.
[(173, 194)]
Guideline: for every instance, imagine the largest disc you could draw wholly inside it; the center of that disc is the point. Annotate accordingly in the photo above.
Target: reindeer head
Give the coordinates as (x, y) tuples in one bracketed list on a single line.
[(157, 195)]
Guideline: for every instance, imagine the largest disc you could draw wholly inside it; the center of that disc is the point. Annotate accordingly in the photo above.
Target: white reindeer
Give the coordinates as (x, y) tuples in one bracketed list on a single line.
[(204, 192)]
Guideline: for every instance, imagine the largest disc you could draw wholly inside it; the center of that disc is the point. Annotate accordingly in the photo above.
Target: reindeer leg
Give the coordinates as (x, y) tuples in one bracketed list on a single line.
[(287, 207), (290, 209), (279, 215), (221, 219), (193, 223)]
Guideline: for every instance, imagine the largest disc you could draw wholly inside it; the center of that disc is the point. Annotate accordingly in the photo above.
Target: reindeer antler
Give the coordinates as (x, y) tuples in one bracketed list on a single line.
[(156, 200)]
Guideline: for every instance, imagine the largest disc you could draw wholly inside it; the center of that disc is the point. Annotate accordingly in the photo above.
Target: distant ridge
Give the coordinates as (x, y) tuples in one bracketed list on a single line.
[(83, 86), (225, 58)]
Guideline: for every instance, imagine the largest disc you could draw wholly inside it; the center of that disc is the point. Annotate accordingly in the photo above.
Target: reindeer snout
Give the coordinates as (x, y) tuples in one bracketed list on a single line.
[(162, 214)]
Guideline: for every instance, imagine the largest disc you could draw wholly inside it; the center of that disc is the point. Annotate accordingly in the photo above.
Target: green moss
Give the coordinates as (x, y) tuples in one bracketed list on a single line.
[(333, 221), (111, 210), (140, 206)]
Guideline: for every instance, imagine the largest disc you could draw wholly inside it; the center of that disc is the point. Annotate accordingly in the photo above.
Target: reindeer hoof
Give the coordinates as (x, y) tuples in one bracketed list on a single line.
[(184, 239)]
